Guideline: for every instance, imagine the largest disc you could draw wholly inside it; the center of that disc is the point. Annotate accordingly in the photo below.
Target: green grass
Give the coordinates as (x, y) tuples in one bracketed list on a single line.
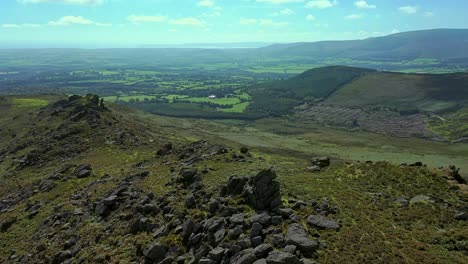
[(29, 102), (238, 108), (218, 101)]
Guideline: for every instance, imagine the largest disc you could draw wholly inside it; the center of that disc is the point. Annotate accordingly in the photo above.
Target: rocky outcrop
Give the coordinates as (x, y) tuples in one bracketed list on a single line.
[(262, 191)]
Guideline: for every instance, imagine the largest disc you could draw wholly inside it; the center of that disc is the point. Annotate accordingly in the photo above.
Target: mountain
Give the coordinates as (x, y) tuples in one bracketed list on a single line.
[(439, 44), (86, 182)]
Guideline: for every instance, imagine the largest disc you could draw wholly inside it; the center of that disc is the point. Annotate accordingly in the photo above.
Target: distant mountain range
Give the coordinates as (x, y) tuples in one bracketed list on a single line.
[(441, 44)]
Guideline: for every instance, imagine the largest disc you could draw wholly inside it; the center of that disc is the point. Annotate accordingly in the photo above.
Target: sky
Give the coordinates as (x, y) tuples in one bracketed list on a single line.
[(134, 23)]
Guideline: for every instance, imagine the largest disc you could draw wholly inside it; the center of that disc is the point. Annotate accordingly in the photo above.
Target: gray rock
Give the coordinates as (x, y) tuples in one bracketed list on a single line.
[(187, 229), (321, 162), (237, 219), (244, 257), (263, 218), (219, 235), (276, 220), (168, 260), (402, 201), (278, 240), (62, 257), (190, 202), (236, 185), (290, 249), (256, 241), (155, 252), (420, 199), (262, 250), (83, 171), (284, 212), (463, 216), (217, 254), (206, 261), (277, 257), (321, 222), (260, 261), (297, 236), (256, 230)]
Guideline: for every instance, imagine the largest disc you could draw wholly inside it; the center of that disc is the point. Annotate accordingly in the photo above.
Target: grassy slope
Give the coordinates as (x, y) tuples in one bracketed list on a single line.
[(374, 230), (279, 97), (423, 92)]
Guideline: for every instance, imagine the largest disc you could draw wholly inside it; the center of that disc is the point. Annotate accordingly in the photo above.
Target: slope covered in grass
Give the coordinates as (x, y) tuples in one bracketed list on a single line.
[(425, 92), (280, 96)]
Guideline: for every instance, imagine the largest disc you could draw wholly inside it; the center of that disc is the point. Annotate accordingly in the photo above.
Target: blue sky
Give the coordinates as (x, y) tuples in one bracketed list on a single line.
[(130, 23)]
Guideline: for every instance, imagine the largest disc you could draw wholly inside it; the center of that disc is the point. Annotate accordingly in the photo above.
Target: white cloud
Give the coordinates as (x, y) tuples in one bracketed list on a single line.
[(395, 31), (321, 4), (269, 22), (248, 21), (277, 2), (408, 9), (70, 2), (69, 20), (146, 19), (364, 5), (20, 25), (310, 17), (206, 3), (287, 12), (261, 22), (188, 21), (428, 14), (354, 16)]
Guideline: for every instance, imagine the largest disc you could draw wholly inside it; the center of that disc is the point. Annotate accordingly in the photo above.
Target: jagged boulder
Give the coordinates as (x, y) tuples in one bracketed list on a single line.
[(454, 173), (262, 191)]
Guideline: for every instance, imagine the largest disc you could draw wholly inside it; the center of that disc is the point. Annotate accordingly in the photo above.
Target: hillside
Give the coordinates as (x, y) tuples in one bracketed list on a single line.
[(399, 104), (82, 181), (440, 44)]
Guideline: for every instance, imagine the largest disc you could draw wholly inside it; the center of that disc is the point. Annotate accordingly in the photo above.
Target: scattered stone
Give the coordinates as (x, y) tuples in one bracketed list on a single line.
[(262, 250), (454, 172), (62, 257), (244, 257), (321, 162), (236, 185), (244, 150), (321, 222), (463, 216), (420, 199), (297, 236), (165, 150), (190, 202), (83, 171), (277, 257), (402, 201), (155, 252)]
